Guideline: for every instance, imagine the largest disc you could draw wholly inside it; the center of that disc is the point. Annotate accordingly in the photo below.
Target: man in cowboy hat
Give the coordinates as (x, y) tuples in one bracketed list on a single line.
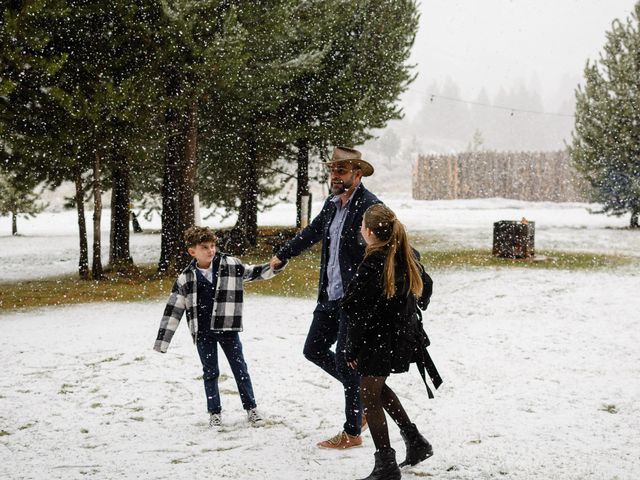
[(338, 227)]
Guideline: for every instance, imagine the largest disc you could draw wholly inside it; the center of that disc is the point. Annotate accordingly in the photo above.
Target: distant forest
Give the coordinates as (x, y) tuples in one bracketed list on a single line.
[(445, 126)]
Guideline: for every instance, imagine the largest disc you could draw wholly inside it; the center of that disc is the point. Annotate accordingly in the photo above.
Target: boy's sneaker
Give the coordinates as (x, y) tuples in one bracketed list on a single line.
[(215, 420), (254, 417)]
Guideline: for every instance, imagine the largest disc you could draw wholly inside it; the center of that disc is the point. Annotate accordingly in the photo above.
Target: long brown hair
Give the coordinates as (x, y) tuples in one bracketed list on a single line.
[(391, 237)]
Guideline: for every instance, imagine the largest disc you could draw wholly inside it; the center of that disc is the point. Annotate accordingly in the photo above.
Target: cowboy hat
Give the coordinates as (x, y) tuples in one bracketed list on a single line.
[(346, 154)]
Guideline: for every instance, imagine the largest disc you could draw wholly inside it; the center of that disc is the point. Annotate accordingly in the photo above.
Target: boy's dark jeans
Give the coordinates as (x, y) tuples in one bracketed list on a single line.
[(208, 350), (328, 326)]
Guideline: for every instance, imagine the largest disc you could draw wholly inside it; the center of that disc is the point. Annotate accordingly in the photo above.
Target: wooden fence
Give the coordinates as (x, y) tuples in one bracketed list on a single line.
[(532, 176)]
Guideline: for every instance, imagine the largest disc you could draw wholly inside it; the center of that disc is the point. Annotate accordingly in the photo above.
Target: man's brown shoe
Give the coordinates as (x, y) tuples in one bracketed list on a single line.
[(341, 441)]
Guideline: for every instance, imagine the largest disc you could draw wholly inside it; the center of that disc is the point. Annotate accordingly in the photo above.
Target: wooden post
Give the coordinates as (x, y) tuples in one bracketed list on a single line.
[(305, 210)]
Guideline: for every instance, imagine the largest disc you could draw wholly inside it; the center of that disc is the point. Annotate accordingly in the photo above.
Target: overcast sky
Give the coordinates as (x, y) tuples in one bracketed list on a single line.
[(498, 43)]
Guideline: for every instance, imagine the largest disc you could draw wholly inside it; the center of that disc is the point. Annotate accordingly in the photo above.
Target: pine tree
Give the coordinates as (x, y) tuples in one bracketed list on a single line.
[(17, 197), (606, 140), (33, 124), (195, 41), (75, 84), (355, 88), (276, 52), (247, 133)]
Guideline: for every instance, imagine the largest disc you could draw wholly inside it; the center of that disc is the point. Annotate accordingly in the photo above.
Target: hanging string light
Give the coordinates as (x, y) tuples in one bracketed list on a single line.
[(512, 110)]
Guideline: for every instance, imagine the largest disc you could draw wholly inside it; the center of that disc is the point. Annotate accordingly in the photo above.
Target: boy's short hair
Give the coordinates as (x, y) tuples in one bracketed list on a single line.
[(195, 235)]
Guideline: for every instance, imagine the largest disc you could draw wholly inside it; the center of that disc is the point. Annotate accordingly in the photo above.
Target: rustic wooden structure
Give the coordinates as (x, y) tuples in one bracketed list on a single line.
[(513, 239), (531, 176)]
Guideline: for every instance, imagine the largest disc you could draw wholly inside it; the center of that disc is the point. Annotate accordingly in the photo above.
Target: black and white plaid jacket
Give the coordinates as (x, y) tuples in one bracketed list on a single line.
[(227, 307)]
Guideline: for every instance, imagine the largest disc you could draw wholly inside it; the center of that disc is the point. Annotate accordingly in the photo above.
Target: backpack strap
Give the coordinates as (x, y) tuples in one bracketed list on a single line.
[(424, 379), (425, 365)]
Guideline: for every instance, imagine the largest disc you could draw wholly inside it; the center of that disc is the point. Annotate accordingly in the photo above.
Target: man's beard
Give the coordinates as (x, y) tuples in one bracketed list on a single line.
[(340, 188)]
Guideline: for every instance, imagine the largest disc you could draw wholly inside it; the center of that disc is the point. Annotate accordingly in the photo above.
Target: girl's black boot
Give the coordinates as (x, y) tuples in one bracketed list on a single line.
[(418, 449), (386, 467)]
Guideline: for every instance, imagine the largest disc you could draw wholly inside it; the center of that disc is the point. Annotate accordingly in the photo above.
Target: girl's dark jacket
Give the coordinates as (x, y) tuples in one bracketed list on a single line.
[(385, 335)]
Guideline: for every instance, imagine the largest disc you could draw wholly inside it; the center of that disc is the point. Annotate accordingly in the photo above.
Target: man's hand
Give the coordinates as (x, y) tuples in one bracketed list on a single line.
[(275, 263), (353, 364)]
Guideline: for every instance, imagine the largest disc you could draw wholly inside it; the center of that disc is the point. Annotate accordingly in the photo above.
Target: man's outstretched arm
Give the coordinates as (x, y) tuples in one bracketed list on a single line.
[(303, 240)]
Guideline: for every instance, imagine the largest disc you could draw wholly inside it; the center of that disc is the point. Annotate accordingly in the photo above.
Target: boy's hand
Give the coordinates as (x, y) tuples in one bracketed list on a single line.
[(275, 263)]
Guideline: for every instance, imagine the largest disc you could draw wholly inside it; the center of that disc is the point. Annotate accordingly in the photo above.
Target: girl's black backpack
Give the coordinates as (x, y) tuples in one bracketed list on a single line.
[(427, 289)]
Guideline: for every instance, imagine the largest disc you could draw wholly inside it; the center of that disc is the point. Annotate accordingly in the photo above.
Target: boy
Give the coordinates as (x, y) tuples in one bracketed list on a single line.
[(210, 290)]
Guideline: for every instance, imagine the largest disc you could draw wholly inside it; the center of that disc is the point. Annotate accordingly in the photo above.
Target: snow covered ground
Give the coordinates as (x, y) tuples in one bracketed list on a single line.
[(541, 368), (49, 243)]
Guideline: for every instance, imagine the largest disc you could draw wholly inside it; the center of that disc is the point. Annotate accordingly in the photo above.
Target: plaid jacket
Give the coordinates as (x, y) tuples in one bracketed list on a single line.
[(227, 307)]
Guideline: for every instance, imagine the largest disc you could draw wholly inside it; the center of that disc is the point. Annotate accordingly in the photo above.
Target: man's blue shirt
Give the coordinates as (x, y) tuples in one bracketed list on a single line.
[(335, 289)]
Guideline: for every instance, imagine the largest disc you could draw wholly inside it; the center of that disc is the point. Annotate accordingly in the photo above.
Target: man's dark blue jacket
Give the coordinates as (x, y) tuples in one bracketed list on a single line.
[(352, 245)]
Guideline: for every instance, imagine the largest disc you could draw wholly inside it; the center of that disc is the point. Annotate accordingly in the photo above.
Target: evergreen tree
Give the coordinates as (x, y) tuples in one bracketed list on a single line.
[(32, 120), (606, 140), (389, 145), (17, 197), (201, 65), (108, 89), (75, 90), (481, 116), (363, 72), (247, 131)]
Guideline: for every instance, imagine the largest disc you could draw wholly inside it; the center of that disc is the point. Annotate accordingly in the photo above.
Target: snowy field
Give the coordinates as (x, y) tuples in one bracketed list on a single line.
[(541, 368), (49, 243), (532, 361)]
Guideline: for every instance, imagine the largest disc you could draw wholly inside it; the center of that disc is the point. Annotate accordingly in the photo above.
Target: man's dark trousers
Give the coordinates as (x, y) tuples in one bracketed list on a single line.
[(329, 326)]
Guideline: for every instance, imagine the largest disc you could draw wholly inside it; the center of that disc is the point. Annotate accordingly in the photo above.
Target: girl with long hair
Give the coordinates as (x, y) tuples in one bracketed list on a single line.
[(384, 332)]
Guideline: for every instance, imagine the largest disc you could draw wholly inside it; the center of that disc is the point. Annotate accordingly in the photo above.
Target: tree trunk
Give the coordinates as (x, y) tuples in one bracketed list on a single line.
[(251, 196), (303, 177), (14, 223), (96, 265), (170, 194), (169, 216), (245, 232), (119, 254), (187, 187), (178, 183), (634, 219), (178, 187), (83, 262)]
